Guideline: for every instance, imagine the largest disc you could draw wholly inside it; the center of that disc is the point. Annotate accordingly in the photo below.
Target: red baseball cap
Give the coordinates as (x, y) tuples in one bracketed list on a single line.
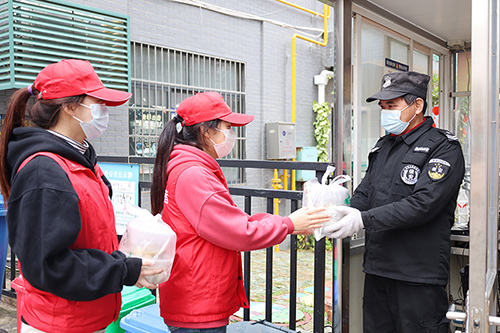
[(76, 77), (209, 106)]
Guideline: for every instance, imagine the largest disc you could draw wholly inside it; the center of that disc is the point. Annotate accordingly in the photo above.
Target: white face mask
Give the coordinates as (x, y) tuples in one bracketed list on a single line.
[(390, 120), (99, 122), (224, 148)]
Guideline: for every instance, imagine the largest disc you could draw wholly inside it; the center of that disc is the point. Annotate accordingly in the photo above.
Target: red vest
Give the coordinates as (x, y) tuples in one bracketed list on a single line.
[(50, 313), (206, 283)]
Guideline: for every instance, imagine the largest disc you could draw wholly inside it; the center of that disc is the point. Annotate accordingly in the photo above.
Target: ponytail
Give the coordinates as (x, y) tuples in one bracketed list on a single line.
[(166, 143), (174, 132), (14, 117)]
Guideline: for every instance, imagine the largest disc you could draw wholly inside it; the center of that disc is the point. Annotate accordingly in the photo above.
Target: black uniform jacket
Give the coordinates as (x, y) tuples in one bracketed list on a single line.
[(407, 199)]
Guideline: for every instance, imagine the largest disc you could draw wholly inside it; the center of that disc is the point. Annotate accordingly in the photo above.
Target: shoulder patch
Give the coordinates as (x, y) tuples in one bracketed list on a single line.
[(438, 169)]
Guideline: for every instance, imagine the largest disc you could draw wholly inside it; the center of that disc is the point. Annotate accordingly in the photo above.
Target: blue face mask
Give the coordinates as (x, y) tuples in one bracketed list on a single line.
[(390, 120)]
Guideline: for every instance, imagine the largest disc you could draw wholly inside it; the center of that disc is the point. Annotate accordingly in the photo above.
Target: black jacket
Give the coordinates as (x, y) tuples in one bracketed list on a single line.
[(41, 228), (408, 199)]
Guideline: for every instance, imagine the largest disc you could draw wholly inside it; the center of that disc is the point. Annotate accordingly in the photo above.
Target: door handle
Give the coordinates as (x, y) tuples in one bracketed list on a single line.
[(453, 314)]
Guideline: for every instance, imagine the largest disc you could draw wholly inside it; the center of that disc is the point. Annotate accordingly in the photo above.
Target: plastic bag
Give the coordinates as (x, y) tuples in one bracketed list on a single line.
[(148, 237), (318, 194)]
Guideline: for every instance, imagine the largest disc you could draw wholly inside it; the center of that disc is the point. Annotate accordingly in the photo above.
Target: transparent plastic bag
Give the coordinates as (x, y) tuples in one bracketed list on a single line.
[(148, 237), (318, 194)]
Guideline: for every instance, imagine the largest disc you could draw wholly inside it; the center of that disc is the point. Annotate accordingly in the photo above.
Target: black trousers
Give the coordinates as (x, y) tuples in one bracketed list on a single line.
[(403, 307)]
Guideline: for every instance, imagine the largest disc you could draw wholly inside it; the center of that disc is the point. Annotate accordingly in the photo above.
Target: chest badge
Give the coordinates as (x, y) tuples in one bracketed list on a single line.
[(409, 174)]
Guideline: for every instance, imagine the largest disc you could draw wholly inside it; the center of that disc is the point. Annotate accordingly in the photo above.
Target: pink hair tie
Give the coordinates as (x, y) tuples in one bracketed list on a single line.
[(30, 89)]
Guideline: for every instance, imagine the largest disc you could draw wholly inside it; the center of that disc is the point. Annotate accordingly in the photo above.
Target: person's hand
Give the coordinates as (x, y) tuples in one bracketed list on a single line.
[(307, 218), (147, 270), (350, 223)]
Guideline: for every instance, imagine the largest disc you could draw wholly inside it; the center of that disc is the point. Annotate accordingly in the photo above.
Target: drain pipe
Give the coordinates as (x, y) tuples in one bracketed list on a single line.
[(321, 80)]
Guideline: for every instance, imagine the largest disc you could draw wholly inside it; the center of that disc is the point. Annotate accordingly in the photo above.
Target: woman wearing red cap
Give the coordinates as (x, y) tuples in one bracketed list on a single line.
[(206, 286), (60, 217)]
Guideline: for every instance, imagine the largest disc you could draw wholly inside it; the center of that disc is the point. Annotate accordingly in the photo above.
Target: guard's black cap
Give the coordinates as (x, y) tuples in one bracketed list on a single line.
[(395, 85)]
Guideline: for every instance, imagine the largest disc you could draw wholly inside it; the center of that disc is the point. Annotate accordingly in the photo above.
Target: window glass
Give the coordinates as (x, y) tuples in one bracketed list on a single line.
[(420, 62), (462, 70), (398, 51), (372, 67), (435, 90)]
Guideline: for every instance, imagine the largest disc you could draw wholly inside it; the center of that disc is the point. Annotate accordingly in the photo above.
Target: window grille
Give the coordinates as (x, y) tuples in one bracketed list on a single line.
[(162, 77)]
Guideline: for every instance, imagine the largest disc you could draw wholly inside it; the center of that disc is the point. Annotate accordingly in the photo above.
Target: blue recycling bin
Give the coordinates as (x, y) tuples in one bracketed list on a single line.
[(144, 320), (4, 240)]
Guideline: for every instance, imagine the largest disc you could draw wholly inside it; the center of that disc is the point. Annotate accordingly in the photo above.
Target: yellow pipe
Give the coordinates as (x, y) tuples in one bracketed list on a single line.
[(326, 11), (301, 8), (276, 202), (326, 16), (276, 186)]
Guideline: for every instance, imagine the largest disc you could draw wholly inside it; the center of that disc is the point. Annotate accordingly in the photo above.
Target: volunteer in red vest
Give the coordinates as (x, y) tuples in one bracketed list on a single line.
[(60, 218), (206, 286)]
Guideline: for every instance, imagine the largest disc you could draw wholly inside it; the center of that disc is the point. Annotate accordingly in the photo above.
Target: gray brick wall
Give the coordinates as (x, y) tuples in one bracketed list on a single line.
[(265, 49)]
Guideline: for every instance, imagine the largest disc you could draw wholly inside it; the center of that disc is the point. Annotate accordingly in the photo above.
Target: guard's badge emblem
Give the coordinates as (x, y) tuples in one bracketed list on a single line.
[(387, 82), (409, 174), (438, 169)]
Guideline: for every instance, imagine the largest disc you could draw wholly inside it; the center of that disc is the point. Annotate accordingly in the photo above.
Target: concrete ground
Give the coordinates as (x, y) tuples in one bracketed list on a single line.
[(8, 320)]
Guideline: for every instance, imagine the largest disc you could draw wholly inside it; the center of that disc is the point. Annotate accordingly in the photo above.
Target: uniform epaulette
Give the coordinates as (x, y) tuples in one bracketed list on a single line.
[(450, 136)]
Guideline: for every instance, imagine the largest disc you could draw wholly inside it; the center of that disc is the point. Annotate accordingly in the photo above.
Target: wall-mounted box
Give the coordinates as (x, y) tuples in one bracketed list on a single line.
[(280, 138), (306, 154)]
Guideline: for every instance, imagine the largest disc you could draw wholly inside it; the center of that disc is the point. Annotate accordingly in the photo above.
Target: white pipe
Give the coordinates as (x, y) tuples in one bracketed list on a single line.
[(321, 80)]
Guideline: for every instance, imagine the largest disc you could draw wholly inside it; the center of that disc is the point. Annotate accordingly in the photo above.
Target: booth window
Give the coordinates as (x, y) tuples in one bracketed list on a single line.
[(162, 77)]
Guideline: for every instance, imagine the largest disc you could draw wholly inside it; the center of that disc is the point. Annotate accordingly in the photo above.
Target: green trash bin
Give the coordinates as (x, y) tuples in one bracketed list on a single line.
[(132, 298)]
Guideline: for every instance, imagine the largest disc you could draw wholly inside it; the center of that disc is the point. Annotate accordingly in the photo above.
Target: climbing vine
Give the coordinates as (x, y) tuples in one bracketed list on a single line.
[(322, 129)]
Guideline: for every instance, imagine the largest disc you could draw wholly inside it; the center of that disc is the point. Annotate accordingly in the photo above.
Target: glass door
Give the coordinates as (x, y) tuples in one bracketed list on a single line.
[(379, 50)]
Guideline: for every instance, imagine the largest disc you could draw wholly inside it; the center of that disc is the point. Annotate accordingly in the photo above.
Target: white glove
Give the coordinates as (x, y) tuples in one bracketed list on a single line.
[(347, 225)]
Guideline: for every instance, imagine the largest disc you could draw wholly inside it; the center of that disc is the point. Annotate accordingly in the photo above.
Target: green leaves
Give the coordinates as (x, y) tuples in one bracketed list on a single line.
[(322, 129)]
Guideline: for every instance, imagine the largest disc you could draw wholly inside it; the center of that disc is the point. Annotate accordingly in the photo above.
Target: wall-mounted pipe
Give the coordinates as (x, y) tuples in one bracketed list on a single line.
[(321, 81), (300, 7), (325, 16)]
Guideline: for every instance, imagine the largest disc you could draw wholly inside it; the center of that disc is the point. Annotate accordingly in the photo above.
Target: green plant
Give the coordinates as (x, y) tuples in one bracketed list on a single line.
[(322, 129), (307, 243), (435, 89)]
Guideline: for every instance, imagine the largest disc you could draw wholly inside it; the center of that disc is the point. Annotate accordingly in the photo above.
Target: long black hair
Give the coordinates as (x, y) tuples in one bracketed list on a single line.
[(170, 136)]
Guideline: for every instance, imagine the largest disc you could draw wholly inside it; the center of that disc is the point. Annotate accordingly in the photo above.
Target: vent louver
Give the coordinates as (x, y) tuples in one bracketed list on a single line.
[(34, 34)]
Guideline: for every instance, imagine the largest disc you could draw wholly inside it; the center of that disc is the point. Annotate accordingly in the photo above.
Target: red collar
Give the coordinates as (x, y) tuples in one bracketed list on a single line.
[(411, 129)]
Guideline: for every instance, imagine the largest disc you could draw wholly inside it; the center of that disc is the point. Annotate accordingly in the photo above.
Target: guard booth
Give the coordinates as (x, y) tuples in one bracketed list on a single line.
[(456, 43)]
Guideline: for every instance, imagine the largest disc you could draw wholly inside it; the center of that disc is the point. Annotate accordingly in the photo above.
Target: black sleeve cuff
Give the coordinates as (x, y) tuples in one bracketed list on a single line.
[(133, 268), (365, 216)]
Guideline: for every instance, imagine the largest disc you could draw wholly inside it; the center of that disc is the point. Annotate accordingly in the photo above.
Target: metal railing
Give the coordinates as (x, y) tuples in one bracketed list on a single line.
[(270, 195)]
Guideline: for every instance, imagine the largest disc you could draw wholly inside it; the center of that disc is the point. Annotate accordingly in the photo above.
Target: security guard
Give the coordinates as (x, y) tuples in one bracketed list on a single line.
[(406, 205)]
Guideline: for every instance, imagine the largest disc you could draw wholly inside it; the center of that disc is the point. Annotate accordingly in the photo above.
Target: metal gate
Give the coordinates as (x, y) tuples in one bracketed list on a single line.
[(481, 304)]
